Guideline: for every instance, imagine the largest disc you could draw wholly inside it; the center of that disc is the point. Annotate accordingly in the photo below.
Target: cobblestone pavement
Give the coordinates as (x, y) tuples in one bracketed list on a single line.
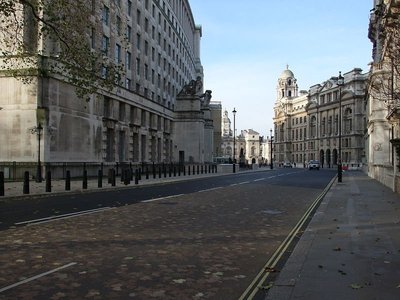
[(199, 246)]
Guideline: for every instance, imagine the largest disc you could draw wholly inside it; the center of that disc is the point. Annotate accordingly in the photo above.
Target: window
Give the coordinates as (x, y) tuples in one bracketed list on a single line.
[(117, 54), (105, 43), (129, 8), (143, 118), (138, 38), (313, 126), (122, 111), (138, 66), (146, 71), (128, 83), (138, 16), (128, 33), (106, 15), (128, 58)]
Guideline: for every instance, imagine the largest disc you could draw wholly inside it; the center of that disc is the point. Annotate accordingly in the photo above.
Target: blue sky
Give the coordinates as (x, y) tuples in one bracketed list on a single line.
[(247, 44)]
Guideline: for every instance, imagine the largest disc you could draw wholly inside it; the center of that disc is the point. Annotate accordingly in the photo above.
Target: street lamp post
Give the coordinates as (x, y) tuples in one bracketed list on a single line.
[(234, 140), (340, 83), (38, 130), (270, 160)]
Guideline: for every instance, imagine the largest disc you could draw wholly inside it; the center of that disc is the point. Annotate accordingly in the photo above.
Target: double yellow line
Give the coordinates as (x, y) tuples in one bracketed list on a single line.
[(262, 276)]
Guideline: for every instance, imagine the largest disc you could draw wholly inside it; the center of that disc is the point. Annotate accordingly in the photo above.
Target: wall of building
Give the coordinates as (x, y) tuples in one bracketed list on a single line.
[(306, 125), (132, 123)]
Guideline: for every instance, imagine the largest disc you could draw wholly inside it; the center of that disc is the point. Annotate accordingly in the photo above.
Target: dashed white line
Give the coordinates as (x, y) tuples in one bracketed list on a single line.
[(36, 277), (261, 179), (244, 182), (162, 198), (212, 189)]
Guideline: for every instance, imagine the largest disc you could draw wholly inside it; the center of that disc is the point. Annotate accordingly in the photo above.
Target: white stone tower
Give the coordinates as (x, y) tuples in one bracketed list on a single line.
[(287, 85)]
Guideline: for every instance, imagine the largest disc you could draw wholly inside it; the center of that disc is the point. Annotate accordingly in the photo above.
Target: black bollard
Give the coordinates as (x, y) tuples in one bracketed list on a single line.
[(159, 172), (26, 183), (109, 176), (68, 181), (189, 170), (123, 175), (1, 184), (100, 179), (127, 177), (136, 176), (48, 182), (164, 170), (147, 172), (113, 178), (174, 171), (184, 170), (84, 182), (198, 170)]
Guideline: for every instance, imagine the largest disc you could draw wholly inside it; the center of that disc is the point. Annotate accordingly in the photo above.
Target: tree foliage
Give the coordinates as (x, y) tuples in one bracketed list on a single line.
[(56, 38)]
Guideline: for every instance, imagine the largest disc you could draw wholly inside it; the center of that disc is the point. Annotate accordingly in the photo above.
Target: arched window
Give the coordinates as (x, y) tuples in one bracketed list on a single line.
[(313, 126), (330, 125), (348, 120)]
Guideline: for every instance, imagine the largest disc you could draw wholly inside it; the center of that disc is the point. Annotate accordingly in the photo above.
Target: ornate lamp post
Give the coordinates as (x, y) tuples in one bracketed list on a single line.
[(340, 83), (271, 163), (234, 140), (38, 130)]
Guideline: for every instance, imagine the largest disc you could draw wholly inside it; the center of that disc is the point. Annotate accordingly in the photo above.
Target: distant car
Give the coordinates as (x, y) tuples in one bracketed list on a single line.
[(313, 164), (287, 165)]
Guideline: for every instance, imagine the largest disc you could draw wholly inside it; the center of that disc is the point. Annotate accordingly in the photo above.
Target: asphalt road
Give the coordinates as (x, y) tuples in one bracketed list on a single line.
[(200, 239)]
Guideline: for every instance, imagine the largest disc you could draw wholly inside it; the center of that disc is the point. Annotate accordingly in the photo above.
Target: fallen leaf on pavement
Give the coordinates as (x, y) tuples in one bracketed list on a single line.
[(356, 286), (179, 281)]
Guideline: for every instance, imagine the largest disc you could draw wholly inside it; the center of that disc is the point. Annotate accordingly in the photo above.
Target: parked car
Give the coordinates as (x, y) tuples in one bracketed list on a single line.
[(313, 164), (287, 164)]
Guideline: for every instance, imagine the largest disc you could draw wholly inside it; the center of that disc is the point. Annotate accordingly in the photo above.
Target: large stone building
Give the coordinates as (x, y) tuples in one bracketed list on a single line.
[(250, 147), (157, 113), (307, 123), (383, 109)]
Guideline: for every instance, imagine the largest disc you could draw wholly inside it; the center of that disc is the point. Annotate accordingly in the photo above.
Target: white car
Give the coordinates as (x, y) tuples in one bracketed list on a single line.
[(313, 164), (287, 165)]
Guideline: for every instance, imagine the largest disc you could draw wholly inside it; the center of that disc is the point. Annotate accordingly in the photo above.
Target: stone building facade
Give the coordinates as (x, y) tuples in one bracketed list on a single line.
[(250, 147), (307, 123), (383, 109), (143, 119)]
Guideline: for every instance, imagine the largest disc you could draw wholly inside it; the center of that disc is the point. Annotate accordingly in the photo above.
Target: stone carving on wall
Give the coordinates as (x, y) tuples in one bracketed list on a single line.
[(206, 98), (192, 88)]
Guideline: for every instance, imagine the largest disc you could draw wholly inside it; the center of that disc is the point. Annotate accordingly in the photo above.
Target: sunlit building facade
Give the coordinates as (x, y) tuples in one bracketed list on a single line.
[(158, 44), (307, 123)]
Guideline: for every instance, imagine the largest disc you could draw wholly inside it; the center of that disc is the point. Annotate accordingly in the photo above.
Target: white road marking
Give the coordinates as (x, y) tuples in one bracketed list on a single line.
[(259, 179), (212, 189), (162, 198), (36, 277), (64, 216), (245, 182)]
